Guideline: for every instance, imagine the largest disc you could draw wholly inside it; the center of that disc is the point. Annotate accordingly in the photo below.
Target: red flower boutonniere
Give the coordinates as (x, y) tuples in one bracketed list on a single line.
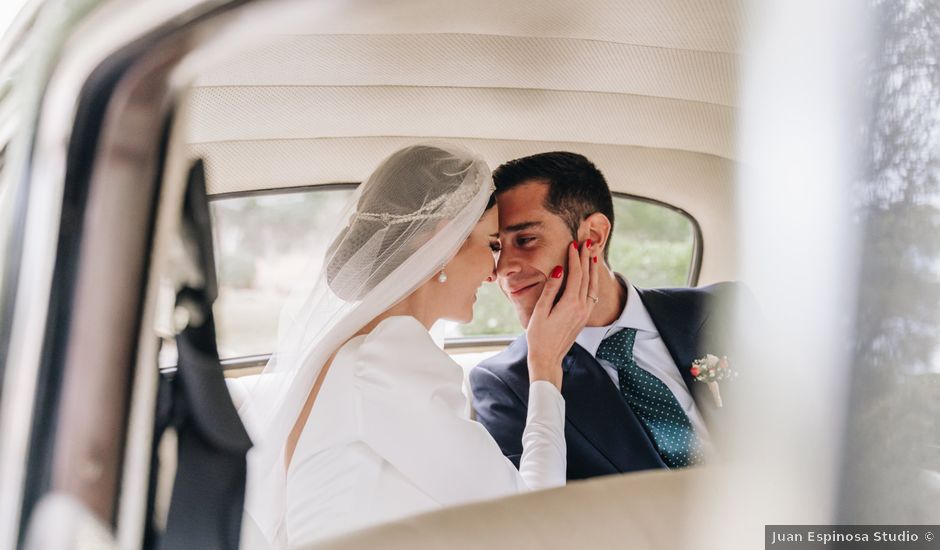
[(710, 369)]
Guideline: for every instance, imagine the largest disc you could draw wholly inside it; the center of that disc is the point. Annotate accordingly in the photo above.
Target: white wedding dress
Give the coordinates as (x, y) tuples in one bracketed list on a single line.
[(388, 437)]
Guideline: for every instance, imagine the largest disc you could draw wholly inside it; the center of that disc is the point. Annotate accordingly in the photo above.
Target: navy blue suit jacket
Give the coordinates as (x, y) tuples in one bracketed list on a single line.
[(604, 435)]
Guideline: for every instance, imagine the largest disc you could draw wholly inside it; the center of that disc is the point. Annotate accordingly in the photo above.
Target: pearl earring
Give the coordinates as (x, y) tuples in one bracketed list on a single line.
[(442, 277)]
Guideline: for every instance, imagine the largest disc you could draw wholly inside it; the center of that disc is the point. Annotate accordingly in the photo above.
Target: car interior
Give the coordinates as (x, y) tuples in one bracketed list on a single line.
[(183, 160)]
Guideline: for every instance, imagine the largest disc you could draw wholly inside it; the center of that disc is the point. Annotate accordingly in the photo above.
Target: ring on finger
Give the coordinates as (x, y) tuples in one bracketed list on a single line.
[(595, 298)]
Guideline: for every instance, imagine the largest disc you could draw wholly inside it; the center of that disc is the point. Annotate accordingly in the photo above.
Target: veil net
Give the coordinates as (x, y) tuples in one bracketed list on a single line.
[(400, 227)]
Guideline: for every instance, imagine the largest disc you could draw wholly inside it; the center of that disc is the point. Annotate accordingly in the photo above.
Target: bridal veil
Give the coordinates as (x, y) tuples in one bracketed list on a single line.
[(401, 227)]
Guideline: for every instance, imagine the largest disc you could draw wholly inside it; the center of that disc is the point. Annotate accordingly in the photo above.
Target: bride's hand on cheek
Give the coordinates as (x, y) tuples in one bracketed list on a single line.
[(553, 327)]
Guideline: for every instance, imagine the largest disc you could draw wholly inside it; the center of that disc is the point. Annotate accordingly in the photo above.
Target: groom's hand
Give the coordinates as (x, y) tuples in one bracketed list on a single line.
[(554, 326)]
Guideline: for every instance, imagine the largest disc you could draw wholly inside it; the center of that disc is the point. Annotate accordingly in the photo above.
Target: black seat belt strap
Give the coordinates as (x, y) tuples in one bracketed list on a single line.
[(209, 489)]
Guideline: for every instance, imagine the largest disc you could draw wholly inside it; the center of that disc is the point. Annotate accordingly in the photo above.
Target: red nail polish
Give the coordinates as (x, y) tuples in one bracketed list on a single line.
[(556, 273), (574, 245), (595, 259), (587, 243)]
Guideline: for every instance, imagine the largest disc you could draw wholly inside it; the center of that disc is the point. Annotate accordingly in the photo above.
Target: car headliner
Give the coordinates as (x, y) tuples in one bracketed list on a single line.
[(645, 90)]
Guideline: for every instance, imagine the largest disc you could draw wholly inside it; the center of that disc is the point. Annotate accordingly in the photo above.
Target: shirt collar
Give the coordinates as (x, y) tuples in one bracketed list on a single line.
[(634, 315)]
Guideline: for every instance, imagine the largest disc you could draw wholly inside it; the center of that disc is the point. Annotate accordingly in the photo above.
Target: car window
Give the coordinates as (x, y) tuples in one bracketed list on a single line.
[(266, 242)]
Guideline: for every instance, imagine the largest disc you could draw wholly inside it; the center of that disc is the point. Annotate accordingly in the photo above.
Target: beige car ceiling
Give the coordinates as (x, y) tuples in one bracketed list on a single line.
[(645, 88)]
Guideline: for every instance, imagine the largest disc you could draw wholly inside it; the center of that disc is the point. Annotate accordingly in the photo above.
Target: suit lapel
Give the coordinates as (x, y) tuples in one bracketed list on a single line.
[(679, 323), (594, 408), (597, 410)]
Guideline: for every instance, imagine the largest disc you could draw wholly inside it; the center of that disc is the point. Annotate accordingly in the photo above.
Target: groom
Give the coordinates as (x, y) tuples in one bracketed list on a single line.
[(631, 401)]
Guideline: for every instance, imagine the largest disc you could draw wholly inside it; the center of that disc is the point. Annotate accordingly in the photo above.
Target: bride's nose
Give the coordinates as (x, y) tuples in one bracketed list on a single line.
[(491, 278)]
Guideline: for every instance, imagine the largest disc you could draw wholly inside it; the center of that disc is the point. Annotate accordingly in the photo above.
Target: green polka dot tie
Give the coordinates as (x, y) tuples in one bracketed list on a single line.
[(652, 402)]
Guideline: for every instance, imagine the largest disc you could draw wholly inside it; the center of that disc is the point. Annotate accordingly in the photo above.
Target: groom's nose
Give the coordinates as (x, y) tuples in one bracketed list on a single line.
[(506, 264)]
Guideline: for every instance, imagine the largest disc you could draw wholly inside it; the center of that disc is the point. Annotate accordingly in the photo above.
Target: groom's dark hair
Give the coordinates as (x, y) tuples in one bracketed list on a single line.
[(576, 188)]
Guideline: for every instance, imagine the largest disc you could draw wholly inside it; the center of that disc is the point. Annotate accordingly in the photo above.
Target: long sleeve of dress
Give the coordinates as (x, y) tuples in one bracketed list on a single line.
[(544, 452), (388, 436)]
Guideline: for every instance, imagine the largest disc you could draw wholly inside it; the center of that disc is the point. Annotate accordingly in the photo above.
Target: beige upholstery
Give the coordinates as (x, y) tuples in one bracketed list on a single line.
[(637, 511), (647, 89)]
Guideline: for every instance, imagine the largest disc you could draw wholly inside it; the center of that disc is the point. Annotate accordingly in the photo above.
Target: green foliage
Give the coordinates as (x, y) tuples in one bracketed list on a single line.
[(652, 245), (648, 221), (652, 263)]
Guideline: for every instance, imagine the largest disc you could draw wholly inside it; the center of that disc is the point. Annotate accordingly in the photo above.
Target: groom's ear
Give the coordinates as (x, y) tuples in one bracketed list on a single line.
[(597, 228)]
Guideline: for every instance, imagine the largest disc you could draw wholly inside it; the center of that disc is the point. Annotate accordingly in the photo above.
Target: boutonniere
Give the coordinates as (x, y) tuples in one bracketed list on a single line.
[(710, 369)]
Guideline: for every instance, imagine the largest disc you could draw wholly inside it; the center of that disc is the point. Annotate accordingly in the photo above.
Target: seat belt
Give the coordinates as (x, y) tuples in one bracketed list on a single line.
[(209, 489)]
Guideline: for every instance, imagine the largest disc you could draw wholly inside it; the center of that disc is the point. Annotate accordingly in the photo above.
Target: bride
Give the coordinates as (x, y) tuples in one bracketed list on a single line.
[(359, 417)]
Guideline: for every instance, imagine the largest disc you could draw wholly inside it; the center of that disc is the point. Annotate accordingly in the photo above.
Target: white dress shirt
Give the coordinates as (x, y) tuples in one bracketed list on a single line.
[(650, 354)]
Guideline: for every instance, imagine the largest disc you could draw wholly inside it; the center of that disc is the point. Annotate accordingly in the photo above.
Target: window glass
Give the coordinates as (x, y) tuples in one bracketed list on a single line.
[(652, 245), (265, 242)]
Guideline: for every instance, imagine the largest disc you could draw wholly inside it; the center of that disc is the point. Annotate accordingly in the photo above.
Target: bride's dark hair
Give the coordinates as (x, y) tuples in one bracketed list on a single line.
[(407, 189)]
